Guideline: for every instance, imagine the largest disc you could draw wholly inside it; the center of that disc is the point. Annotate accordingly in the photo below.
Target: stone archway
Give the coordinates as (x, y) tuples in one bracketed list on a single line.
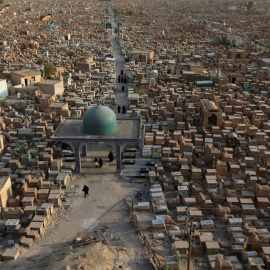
[(123, 149), (91, 150), (212, 120), (66, 145), (91, 145)]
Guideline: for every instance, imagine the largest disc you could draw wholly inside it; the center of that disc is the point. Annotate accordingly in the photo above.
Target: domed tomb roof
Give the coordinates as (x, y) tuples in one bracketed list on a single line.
[(210, 105), (85, 61), (99, 120)]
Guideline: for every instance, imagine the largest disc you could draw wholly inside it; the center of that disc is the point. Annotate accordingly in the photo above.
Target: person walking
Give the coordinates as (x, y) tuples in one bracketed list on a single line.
[(124, 109), (96, 161), (119, 109), (121, 72), (125, 80), (100, 162), (119, 78), (110, 156), (123, 88), (85, 190)]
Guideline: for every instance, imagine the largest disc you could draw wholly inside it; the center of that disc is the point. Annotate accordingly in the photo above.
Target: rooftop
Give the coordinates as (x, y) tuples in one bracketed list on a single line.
[(50, 82), (266, 60), (26, 72), (72, 129)]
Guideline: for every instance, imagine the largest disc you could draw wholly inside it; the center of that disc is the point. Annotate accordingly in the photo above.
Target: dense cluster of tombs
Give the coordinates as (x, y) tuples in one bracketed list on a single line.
[(201, 89), (204, 105)]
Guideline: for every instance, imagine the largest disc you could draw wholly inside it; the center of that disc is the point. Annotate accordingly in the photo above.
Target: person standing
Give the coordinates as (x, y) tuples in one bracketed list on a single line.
[(96, 161), (119, 108), (85, 190), (121, 72), (125, 80), (123, 88), (124, 109), (146, 118), (100, 162), (110, 156)]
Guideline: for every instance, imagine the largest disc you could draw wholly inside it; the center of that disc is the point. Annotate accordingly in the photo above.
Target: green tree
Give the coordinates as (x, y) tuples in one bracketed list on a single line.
[(48, 69), (40, 60), (250, 5), (252, 38), (1, 1), (139, 90), (226, 41)]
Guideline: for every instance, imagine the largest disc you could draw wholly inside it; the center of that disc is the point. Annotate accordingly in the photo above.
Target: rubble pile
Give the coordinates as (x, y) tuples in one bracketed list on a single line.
[(103, 235)]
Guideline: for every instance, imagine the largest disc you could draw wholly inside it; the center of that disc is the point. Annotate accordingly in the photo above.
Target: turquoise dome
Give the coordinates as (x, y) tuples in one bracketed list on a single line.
[(99, 120)]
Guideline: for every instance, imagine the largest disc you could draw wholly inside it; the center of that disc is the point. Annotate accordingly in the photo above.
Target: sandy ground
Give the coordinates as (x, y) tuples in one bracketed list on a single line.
[(103, 206)]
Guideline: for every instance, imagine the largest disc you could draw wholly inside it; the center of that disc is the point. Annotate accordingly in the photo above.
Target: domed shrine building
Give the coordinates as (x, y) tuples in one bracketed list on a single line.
[(98, 125)]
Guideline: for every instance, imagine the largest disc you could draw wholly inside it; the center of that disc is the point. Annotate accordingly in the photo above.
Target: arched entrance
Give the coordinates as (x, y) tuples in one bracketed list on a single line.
[(212, 120), (91, 151), (66, 151)]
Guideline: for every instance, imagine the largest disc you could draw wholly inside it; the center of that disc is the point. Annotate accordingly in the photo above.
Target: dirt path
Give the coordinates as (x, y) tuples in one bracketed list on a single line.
[(121, 97), (104, 206)]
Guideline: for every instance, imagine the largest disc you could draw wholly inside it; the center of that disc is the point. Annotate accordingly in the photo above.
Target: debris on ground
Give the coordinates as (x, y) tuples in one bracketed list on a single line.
[(139, 193), (102, 234)]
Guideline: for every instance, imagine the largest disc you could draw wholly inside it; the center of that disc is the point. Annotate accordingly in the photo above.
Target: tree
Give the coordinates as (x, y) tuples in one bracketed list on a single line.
[(48, 69), (41, 60), (1, 1), (139, 90), (226, 41), (252, 38), (223, 41), (250, 5)]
